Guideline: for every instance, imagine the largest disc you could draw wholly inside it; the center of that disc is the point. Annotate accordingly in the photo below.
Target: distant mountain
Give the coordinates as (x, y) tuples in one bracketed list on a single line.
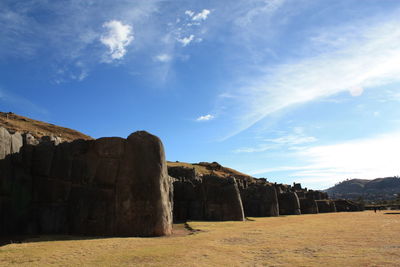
[(370, 190)]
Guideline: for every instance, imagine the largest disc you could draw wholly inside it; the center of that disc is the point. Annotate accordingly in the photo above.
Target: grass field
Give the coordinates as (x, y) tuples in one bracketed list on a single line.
[(333, 239)]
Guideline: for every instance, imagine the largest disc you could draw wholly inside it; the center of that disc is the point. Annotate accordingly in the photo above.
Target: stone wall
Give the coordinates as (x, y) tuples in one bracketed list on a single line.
[(326, 206), (205, 197), (308, 206), (109, 186), (347, 205), (289, 204), (260, 200)]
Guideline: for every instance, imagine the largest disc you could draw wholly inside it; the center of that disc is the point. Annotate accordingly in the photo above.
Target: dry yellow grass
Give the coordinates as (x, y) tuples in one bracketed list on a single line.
[(334, 239)]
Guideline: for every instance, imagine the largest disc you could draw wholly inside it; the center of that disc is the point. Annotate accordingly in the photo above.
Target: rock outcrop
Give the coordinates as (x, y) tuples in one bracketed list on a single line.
[(347, 205), (259, 199), (289, 204), (308, 206), (326, 205), (205, 197), (109, 186)]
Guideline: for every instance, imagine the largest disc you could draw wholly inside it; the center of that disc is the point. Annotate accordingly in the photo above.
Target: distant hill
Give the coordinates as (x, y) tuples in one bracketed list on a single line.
[(16, 123), (370, 190)]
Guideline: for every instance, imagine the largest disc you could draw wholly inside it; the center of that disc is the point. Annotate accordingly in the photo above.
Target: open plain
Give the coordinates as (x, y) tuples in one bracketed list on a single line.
[(331, 239)]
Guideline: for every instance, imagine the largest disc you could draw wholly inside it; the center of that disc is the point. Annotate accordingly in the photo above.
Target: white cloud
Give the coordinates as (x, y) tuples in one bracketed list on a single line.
[(205, 117), (290, 142), (186, 40), (262, 8), (163, 58), (293, 140), (117, 37), (190, 13), (367, 58), (202, 15), (356, 91), (361, 158), (259, 148)]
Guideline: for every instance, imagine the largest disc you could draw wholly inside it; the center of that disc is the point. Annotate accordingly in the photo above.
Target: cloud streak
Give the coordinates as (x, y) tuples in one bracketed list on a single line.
[(366, 56), (366, 158), (205, 117)]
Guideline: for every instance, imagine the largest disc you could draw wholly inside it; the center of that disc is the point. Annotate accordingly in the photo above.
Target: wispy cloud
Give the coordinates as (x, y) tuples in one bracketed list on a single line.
[(289, 141), (366, 56), (205, 117), (163, 58), (366, 158), (186, 40), (259, 148), (116, 38), (201, 15), (263, 8), (190, 13)]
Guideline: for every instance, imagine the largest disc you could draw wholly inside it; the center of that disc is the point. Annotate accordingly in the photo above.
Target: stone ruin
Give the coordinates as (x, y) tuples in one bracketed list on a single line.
[(109, 186), (258, 197), (205, 197), (122, 187)]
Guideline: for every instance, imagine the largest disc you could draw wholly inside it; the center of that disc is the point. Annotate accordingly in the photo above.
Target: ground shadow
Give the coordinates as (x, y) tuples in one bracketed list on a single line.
[(179, 229), (392, 213), (7, 240)]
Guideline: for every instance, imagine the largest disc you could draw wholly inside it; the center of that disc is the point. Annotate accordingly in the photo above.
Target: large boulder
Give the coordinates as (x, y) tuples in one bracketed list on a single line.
[(143, 189), (222, 199), (5, 143), (347, 205), (260, 200), (326, 205), (188, 200), (289, 204), (207, 197), (308, 206), (16, 142)]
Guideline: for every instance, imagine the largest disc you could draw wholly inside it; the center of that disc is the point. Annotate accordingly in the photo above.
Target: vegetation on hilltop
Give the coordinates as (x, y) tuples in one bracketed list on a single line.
[(16, 123)]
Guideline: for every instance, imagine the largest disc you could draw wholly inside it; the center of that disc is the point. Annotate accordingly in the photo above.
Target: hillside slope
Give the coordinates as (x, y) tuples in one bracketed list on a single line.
[(15, 123), (371, 190)]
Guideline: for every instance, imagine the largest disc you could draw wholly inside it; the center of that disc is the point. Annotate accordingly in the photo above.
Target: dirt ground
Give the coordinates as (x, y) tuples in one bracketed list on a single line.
[(333, 239)]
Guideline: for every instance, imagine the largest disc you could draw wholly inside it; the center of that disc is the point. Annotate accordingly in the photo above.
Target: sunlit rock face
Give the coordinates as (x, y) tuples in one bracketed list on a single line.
[(109, 186)]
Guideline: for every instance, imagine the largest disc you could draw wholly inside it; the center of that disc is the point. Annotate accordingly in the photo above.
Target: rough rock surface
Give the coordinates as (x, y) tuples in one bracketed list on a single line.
[(9, 143), (206, 197), (326, 206), (308, 206), (260, 199), (108, 186), (289, 204), (222, 200), (347, 205)]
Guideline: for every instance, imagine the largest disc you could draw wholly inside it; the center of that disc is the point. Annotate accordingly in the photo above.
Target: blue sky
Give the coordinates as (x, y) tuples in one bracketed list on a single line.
[(290, 90)]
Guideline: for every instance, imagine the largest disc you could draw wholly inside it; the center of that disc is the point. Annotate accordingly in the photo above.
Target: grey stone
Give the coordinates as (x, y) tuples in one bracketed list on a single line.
[(5, 143)]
